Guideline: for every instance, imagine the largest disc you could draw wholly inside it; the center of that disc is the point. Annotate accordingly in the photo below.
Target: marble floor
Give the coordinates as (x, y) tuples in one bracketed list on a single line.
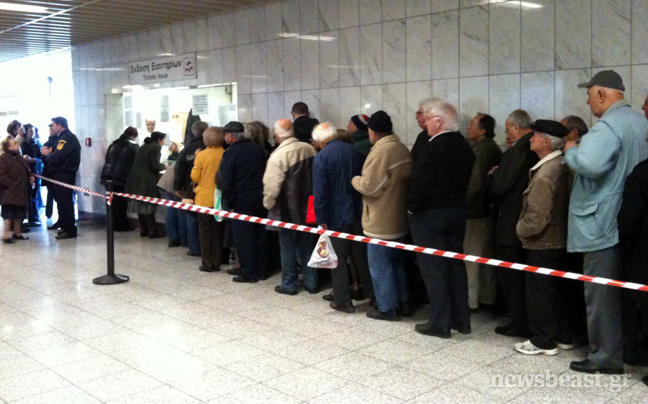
[(174, 334)]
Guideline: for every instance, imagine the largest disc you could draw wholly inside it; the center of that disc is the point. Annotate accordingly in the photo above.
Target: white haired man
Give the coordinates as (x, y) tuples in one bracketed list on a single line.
[(436, 202), (338, 207), (602, 161), (287, 186)]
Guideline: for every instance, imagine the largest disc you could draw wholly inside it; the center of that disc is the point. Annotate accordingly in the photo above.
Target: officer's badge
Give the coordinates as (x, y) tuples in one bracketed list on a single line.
[(60, 145)]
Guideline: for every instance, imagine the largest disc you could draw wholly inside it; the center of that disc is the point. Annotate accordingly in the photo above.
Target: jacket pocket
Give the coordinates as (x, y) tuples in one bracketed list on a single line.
[(584, 225)]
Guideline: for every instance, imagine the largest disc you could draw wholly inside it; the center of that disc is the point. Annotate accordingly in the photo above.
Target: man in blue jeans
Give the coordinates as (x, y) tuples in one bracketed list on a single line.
[(383, 185)]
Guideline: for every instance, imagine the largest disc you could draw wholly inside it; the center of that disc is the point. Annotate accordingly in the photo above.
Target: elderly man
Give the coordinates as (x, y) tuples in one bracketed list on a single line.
[(287, 186), (241, 182), (480, 223), (542, 228), (339, 207), (602, 161), (383, 185), (576, 126), (422, 138), (436, 202), (507, 183)]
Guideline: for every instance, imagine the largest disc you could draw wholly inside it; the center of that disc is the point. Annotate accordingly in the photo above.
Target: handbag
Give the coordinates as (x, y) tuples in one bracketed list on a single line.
[(218, 204)]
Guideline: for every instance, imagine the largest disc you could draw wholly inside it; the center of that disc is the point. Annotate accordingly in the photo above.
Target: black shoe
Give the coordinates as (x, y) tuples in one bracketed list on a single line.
[(345, 307), (427, 329), (405, 309), (264, 277), (189, 253), (284, 291), (34, 224), (8, 240), (235, 271), (328, 297), (173, 244), (314, 290), (65, 235), (391, 315), (358, 295), (60, 231), (645, 380), (461, 329), (207, 268), (55, 226), (21, 237), (156, 235), (244, 279), (638, 360), (588, 367), (507, 331), (143, 234)]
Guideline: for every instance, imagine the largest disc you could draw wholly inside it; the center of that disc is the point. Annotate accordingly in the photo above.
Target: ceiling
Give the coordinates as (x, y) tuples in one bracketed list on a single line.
[(73, 22)]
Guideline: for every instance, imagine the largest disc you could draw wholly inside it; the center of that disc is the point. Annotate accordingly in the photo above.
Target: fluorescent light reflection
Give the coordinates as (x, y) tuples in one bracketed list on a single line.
[(24, 8), (307, 37), (511, 3)]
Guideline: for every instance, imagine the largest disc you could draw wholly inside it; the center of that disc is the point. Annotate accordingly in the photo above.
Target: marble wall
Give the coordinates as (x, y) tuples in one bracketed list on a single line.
[(352, 56)]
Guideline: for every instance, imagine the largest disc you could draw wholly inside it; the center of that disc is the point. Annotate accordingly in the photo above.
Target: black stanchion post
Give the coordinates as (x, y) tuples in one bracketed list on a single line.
[(110, 278)]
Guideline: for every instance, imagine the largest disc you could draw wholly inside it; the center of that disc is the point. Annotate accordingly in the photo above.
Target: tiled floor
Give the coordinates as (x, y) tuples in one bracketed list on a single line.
[(176, 335)]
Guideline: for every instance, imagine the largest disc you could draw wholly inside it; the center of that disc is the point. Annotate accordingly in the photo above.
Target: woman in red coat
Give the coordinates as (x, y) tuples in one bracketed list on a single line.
[(14, 189)]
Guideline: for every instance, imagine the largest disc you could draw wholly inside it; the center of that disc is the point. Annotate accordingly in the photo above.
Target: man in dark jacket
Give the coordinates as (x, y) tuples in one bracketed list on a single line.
[(436, 202), (241, 182), (303, 124), (182, 183), (119, 160), (422, 138), (63, 161), (30, 148), (507, 183), (358, 130), (480, 224)]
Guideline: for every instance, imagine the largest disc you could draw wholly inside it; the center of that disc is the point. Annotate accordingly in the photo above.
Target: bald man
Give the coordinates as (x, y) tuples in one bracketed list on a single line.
[(602, 161), (287, 185)]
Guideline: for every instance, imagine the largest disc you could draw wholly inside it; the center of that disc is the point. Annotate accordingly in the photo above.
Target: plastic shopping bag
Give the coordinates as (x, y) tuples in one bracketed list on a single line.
[(323, 255), (218, 202)]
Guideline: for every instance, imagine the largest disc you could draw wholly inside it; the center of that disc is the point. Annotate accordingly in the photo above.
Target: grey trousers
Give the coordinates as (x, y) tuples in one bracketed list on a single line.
[(603, 305)]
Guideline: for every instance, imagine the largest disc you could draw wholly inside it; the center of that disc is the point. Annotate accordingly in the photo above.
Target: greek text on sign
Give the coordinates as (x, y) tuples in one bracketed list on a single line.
[(168, 68)]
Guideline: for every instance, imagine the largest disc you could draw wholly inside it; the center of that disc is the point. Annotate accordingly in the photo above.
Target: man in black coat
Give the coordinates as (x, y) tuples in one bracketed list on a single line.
[(633, 237), (31, 151), (182, 183), (119, 160), (507, 184), (303, 124), (241, 182), (436, 203), (62, 157)]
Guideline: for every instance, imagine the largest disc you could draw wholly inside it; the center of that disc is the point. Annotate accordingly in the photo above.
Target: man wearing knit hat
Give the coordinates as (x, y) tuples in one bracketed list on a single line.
[(602, 161), (357, 128), (542, 228), (383, 185)]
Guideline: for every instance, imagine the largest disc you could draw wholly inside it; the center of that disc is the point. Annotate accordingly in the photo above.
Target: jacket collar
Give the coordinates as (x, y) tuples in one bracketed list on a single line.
[(616, 105), (546, 158), (386, 139), (287, 142)]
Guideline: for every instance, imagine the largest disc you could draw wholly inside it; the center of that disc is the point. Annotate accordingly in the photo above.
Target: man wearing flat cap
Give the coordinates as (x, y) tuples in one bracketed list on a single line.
[(542, 229), (602, 161)]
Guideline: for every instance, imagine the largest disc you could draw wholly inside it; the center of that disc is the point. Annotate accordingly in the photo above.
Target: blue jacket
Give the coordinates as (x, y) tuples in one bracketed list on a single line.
[(336, 202), (602, 161)]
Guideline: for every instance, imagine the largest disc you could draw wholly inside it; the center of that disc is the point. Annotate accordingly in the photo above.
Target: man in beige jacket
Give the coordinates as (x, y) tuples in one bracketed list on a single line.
[(383, 185)]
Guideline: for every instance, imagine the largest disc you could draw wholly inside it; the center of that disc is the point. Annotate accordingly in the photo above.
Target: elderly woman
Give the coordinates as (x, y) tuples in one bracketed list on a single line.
[(142, 179), (203, 174), (14, 189)]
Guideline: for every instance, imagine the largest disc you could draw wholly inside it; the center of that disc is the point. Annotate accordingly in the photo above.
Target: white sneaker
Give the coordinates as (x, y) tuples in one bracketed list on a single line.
[(564, 346), (528, 348)]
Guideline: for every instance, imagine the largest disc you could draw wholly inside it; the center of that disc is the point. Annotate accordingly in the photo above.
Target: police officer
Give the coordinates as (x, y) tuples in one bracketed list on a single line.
[(62, 155)]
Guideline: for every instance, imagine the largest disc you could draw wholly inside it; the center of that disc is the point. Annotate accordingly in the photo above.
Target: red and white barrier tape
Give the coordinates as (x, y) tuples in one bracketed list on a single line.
[(362, 239)]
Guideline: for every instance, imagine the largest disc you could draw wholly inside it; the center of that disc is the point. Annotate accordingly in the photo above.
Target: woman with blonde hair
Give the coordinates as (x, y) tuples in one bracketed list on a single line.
[(203, 175)]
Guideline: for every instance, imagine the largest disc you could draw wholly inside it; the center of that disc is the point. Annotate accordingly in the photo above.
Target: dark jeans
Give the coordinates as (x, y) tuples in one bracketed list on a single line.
[(249, 240), (211, 240), (296, 246), (445, 278), (193, 239), (64, 198), (32, 209), (340, 275), (513, 284), (542, 298)]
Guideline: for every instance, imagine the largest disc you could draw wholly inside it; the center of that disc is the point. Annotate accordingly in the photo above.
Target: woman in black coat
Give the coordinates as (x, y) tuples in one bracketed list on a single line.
[(14, 189), (142, 181)]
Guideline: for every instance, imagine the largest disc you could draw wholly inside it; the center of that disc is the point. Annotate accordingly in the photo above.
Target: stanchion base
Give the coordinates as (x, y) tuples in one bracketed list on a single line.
[(110, 279)]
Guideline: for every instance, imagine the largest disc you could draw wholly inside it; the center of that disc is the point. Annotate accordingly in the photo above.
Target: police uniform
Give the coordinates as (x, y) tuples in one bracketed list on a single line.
[(63, 164)]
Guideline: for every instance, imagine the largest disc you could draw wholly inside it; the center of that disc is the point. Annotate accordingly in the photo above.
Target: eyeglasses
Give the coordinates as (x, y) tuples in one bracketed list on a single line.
[(419, 113)]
